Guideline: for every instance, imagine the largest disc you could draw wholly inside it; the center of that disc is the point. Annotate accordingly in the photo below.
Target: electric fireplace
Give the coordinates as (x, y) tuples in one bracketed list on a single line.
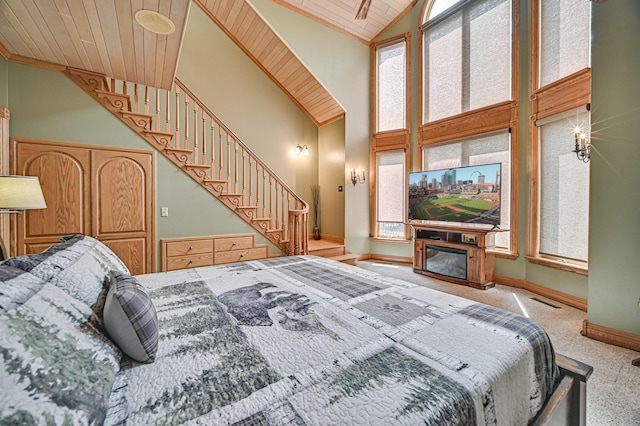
[(448, 261)]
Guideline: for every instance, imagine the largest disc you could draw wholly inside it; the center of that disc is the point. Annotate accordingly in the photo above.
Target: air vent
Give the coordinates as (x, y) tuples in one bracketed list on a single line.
[(155, 22)]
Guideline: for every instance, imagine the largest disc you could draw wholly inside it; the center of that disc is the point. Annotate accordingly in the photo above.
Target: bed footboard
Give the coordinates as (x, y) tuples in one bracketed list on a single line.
[(568, 403)]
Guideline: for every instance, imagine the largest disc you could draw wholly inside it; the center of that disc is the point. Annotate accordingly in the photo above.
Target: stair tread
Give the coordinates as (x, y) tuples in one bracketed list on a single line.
[(344, 257)]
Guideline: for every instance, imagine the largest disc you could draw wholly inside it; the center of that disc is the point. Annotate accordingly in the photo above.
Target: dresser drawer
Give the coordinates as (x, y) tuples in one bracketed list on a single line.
[(189, 247), (240, 255), (233, 243), (191, 261)]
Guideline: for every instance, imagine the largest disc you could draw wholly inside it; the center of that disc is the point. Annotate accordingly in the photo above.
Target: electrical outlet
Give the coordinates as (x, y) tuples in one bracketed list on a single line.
[(164, 211)]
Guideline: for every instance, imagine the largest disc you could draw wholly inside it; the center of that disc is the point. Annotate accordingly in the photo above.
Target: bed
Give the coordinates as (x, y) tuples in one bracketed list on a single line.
[(295, 340)]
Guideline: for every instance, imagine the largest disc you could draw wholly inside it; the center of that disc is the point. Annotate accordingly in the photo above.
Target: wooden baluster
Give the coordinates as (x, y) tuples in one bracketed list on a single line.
[(186, 121), (134, 105), (157, 110), (195, 133), (124, 88), (177, 138), (288, 229), (244, 178), (167, 119), (204, 138), (229, 186), (264, 192), (112, 86), (235, 170), (250, 179), (285, 211), (271, 198), (213, 148), (275, 201), (146, 100), (220, 131)]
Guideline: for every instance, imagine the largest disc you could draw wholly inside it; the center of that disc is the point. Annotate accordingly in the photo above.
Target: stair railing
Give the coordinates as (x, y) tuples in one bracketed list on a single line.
[(214, 155)]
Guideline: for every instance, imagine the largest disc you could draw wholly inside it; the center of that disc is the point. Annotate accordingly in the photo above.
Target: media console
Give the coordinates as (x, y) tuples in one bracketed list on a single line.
[(455, 254)]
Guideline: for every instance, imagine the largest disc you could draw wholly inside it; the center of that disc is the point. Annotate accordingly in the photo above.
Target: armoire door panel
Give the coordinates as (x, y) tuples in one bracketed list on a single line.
[(64, 178), (132, 251), (121, 197), (38, 248)]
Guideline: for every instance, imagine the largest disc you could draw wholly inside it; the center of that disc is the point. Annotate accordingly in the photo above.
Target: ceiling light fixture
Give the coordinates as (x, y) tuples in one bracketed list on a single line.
[(155, 22)]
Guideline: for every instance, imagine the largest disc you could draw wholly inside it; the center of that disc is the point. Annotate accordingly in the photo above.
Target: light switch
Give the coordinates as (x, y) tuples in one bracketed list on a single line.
[(164, 211)]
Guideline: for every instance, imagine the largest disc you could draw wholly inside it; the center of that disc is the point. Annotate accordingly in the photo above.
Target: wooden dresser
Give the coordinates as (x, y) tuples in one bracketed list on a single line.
[(193, 252)]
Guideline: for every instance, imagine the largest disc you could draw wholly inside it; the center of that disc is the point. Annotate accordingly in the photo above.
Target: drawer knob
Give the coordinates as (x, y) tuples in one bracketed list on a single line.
[(190, 247), (233, 244), (191, 261), (241, 255)]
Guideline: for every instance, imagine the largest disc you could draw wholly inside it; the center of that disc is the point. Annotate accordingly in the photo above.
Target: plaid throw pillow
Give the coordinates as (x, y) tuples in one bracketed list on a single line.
[(130, 317)]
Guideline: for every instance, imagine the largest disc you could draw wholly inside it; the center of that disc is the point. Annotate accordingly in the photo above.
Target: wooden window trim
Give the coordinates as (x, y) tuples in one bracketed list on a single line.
[(562, 95), (568, 265), (504, 115)]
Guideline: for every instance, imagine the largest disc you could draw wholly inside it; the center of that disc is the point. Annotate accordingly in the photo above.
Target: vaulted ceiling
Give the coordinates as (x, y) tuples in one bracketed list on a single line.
[(102, 36)]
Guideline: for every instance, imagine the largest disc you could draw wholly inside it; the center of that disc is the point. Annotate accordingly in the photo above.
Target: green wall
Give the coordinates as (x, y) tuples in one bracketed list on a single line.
[(614, 232)]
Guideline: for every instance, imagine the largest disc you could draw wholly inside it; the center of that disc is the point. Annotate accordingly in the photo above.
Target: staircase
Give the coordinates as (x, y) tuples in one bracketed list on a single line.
[(331, 250), (185, 131)]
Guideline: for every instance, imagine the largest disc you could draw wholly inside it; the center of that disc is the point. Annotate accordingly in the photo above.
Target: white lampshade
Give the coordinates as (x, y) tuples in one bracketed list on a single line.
[(21, 193)]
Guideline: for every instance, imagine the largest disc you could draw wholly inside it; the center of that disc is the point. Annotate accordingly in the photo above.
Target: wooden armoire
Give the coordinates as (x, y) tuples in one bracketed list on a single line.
[(105, 192)]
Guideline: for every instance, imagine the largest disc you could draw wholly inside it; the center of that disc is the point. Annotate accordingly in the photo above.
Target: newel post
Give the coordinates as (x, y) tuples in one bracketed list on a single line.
[(299, 233)]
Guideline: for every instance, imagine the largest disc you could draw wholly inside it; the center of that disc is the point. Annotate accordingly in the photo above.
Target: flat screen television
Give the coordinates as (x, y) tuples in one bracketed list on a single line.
[(468, 194)]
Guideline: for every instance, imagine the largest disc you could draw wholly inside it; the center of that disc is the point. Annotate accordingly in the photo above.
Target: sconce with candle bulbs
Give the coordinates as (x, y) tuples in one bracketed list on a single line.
[(356, 177), (301, 150), (583, 145)]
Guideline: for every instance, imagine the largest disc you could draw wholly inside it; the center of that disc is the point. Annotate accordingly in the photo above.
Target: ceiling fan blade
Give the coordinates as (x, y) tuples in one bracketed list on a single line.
[(363, 9)]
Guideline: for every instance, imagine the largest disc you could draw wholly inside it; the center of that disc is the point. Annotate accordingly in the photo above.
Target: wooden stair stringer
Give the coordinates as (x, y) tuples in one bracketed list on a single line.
[(96, 86)]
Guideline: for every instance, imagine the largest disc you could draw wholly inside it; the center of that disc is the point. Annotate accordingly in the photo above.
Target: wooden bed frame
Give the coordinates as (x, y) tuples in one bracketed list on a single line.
[(568, 403)]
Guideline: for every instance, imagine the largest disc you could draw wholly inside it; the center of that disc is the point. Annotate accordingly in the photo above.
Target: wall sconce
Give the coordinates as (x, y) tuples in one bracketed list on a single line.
[(357, 178), (301, 150), (583, 146)]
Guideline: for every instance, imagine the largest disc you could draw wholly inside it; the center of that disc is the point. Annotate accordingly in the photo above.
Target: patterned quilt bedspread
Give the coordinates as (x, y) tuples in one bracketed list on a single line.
[(308, 341)]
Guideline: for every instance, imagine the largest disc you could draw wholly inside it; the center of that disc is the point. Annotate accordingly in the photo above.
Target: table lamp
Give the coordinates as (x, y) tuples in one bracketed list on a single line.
[(17, 194)]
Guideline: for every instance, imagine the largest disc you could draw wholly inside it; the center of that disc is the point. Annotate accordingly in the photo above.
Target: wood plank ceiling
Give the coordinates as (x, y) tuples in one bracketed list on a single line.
[(95, 35), (340, 15), (102, 36), (246, 27)]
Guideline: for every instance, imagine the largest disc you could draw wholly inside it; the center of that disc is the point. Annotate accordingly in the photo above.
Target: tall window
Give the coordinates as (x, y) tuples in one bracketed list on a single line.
[(560, 97), (468, 113), (467, 58), (391, 178), (390, 143), (391, 64)]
